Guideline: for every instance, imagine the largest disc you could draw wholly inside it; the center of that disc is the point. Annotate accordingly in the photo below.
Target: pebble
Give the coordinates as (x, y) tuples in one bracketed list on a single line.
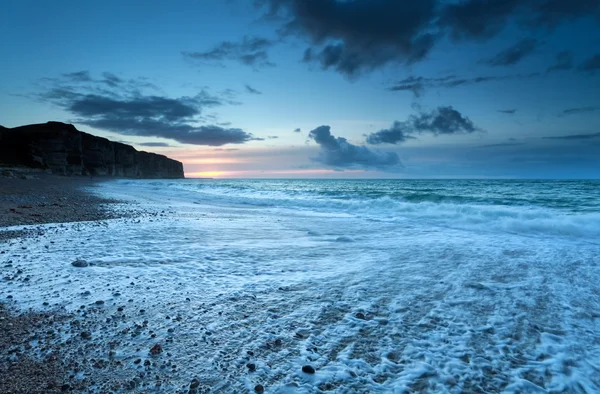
[(156, 349), (79, 263), (259, 389), (308, 369), (251, 367)]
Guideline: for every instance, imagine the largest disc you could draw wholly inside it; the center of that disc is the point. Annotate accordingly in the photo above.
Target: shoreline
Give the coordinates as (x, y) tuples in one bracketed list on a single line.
[(33, 357), (29, 197)]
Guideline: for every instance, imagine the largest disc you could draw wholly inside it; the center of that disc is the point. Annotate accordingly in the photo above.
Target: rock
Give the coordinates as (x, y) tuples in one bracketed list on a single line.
[(99, 302), (251, 367), (156, 349), (259, 389), (79, 263), (360, 315), (8, 173), (64, 150), (86, 335), (65, 387), (194, 384), (308, 369)]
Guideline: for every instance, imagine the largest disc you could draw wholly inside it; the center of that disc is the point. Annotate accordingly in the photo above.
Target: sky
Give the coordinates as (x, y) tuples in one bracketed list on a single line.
[(317, 88)]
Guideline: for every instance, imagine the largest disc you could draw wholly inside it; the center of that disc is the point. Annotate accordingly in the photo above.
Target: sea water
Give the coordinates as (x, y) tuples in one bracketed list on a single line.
[(441, 286)]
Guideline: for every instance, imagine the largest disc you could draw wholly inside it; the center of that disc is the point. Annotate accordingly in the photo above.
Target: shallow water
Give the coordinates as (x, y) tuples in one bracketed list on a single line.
[(382, 286)]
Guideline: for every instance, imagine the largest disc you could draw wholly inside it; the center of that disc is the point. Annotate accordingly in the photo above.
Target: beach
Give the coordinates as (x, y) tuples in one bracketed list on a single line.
[(35, 358), (306, 286)]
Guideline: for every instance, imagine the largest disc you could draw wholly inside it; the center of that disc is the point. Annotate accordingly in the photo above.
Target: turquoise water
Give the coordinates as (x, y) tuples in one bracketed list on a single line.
[(569, 196)]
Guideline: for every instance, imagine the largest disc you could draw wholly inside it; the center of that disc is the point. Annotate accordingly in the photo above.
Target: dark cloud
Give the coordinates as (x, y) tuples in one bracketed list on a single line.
[(417, 85), (360, 35), (574, 137), (592, 63), (564, 61), (508, 111), (298, 130), (251, 51), (251, 90), (514, 54), (442, 120), (483, 19), (578, 110), (339, 153), (155, 144), (356, 36), (398, 133), (125, 108)]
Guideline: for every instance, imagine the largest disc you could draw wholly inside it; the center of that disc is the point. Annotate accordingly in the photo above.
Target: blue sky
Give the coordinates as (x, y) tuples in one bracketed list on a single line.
[(378, 88)]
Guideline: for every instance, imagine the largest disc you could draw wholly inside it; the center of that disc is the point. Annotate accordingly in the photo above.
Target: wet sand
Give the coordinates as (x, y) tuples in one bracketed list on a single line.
[(33, 357)]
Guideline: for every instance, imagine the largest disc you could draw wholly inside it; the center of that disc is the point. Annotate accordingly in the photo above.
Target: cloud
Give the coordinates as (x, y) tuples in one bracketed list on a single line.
[(155, 144), (339, 153), (591, 64), (353, 37), (417, 85), (514, 54), (574, 137), (399, 132), (126, 108), (361, 35), (442, 120), (564, 61), (578, 110), (501, 145), (484, 19), (251, 90), (108, 81), (250, 51), (508, 111), (78, 76), (298, 130)]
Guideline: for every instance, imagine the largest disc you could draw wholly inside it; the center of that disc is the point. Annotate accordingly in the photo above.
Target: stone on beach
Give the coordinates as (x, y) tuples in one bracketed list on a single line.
[(308, 369), (156, 349), (80, 263)]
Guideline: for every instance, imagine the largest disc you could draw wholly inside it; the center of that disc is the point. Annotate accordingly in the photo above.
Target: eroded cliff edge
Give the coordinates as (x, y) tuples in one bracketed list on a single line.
[(64, 150)]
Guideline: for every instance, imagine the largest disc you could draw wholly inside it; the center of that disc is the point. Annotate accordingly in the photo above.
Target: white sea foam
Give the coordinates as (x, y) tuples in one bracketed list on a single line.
[(428, 297)]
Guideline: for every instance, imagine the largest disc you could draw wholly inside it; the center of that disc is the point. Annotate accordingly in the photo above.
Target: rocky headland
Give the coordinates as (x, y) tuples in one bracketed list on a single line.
[(62, 149)]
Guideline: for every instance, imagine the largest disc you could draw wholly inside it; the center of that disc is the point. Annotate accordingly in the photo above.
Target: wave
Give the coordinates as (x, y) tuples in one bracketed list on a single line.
[(527, 211)]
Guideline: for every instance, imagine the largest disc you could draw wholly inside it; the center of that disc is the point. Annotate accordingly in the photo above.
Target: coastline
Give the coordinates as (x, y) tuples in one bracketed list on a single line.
[(29, 197), (246, 285), (33, 357)]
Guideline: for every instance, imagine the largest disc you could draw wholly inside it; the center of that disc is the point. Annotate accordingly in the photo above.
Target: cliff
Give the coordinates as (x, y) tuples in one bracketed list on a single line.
[(64, 150)]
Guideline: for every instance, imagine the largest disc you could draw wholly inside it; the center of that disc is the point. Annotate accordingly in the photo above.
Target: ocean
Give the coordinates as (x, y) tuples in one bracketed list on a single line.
[(382, 286)]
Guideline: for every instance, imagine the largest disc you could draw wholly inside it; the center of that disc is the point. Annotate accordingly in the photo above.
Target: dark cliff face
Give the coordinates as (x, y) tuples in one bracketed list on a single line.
[(65, 150)]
